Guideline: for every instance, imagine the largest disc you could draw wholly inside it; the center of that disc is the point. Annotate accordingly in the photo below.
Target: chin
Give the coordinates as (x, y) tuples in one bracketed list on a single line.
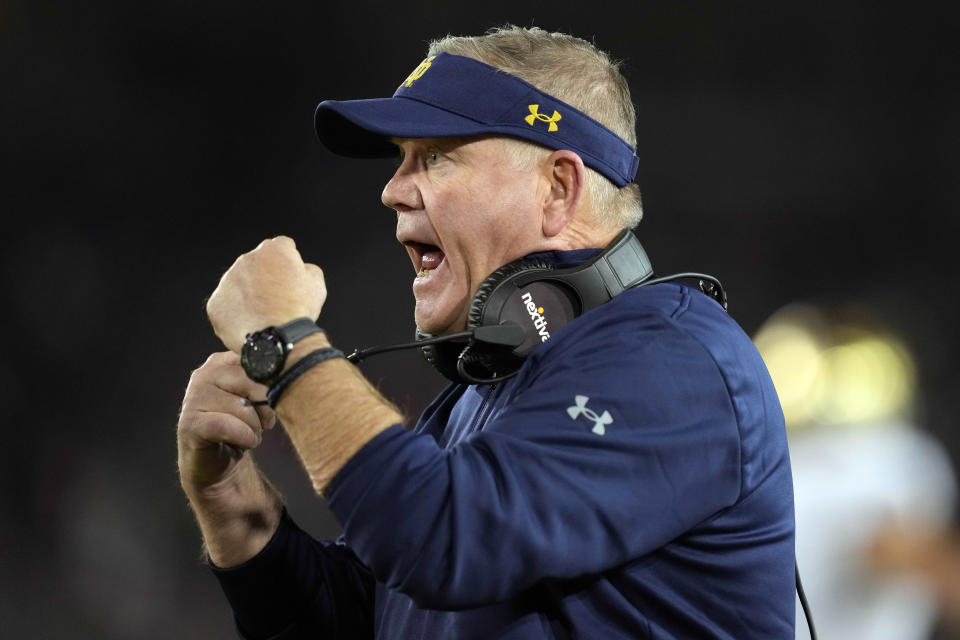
[(439, 324), (443, 314)]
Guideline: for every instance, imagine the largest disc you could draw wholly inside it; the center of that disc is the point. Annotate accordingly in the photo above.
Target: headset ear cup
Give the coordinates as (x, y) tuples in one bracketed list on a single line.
[(480, 360), (484, 360), (442, 356), (475, 314)]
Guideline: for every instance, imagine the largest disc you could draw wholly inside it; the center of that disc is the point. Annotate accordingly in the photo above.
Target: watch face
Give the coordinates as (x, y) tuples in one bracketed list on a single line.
[(262, 356)]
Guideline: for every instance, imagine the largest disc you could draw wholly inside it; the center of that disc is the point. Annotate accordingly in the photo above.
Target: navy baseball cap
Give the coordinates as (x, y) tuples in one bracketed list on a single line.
[(450, 95)]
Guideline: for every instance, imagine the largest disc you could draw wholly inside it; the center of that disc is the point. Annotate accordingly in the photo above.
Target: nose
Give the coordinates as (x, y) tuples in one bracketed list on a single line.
[(401, 192)]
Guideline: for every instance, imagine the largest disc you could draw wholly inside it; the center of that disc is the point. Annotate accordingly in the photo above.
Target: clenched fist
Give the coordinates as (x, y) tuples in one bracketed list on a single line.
[(266, 287)]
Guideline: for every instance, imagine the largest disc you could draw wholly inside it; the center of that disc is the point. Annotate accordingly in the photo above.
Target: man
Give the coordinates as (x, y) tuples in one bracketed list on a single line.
[(631, 480)]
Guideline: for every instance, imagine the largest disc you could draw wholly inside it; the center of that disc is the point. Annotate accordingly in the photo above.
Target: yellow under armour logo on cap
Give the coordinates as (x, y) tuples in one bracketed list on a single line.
[(536, 115), (419, 71)]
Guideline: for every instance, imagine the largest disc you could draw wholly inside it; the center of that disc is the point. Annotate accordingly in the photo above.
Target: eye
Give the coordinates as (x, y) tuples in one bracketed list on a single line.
[(433, 157)]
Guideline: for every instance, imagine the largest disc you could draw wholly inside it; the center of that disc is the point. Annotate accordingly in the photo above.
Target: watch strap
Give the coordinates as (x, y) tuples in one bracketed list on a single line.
[(296, 330), (299, 368)]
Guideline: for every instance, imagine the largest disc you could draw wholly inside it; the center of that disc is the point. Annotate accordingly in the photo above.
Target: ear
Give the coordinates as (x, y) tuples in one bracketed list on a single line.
[(566, 181)]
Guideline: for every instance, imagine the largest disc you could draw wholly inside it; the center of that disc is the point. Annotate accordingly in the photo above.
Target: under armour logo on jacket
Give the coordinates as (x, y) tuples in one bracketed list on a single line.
[(580, 409)]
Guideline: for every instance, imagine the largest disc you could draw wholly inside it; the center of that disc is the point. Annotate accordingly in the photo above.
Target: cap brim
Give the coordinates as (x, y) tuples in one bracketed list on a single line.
[(363, 128)]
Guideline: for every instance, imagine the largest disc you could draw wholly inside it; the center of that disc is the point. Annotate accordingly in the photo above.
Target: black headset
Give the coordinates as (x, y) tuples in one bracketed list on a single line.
[(522, 303)]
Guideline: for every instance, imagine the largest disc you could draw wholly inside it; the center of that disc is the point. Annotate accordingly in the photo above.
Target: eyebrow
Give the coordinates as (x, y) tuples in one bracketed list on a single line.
[(445, 142)]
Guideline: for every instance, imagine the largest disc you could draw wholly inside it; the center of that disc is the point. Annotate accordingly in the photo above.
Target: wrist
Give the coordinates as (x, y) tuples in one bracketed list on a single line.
[(298, 369), (236, 516), (303, 347), (227, 494)]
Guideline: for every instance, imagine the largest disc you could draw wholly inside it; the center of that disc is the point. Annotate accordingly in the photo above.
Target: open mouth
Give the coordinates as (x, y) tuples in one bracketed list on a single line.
[(426, 257)]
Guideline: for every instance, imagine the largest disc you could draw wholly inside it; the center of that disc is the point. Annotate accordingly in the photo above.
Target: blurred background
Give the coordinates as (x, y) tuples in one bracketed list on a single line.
[(803, 153)]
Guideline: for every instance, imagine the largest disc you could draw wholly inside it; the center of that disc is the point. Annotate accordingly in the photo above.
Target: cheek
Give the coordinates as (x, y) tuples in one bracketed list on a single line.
[(485, 225)]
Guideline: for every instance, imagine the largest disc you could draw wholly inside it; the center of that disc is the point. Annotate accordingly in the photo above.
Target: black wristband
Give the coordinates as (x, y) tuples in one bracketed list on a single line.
[(297, 329), (299, 368)]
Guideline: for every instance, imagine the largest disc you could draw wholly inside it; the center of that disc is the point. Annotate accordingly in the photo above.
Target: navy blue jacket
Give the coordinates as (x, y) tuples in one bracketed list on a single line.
[(632, 481)]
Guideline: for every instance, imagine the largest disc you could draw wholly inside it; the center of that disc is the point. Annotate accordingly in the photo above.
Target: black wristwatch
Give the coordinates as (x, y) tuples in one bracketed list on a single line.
[(265, 352)]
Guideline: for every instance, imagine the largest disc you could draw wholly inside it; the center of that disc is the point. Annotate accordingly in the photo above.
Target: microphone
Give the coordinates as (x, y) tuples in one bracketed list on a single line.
[(507, 334)]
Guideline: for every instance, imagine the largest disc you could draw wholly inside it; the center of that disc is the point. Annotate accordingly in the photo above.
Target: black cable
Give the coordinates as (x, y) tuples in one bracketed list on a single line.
[(472, 379), (708, 285), (803, 602), (358, 355)]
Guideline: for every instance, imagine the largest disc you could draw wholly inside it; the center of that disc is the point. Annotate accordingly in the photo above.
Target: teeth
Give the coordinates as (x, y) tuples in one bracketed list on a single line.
[(424, 273)]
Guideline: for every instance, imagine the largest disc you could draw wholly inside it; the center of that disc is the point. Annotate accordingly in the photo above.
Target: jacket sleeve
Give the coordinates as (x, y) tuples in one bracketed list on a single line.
[(298, 587), (610, 446)]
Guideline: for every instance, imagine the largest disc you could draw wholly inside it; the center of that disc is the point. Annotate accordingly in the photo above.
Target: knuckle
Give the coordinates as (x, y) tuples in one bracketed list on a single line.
[(212, 361), (186, 424), (205, 373)]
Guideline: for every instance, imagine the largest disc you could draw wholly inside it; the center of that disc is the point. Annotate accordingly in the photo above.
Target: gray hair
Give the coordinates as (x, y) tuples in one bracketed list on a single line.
[(581, 75)]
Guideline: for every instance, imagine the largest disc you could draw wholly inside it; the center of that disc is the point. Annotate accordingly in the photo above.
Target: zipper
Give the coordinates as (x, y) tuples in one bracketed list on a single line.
[(484, 410)]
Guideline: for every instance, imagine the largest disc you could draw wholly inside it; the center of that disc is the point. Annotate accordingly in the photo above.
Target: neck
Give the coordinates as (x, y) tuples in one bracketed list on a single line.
[(582, 233)]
